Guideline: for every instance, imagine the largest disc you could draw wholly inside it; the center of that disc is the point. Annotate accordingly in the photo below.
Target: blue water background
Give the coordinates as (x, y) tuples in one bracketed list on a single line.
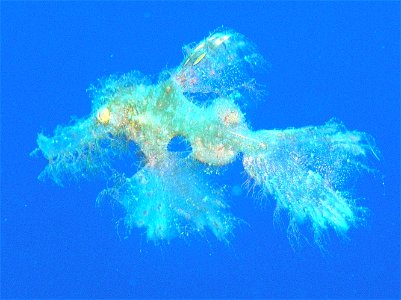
[(328, 59)]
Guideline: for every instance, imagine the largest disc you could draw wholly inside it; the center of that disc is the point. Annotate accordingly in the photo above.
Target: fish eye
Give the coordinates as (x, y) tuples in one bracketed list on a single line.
[(103, 115)]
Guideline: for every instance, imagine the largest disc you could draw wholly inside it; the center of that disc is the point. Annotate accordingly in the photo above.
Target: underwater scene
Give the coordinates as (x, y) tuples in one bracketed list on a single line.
[(200, 150)]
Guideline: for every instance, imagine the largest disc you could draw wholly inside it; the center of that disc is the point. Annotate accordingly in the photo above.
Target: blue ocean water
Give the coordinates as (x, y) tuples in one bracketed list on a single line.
[(328, 59)]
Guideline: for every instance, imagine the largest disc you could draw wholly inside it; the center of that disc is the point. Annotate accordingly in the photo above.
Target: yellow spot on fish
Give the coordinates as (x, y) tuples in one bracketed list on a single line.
[(199, 59), (103, 115)]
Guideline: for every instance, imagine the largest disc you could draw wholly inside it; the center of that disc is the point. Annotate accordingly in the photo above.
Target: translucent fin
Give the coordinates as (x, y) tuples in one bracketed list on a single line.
[(173, 199), (307, 169), (223, 63)]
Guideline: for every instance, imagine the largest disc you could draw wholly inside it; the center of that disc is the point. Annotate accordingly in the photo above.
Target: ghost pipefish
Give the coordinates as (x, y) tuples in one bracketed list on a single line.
[(304, 169)]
